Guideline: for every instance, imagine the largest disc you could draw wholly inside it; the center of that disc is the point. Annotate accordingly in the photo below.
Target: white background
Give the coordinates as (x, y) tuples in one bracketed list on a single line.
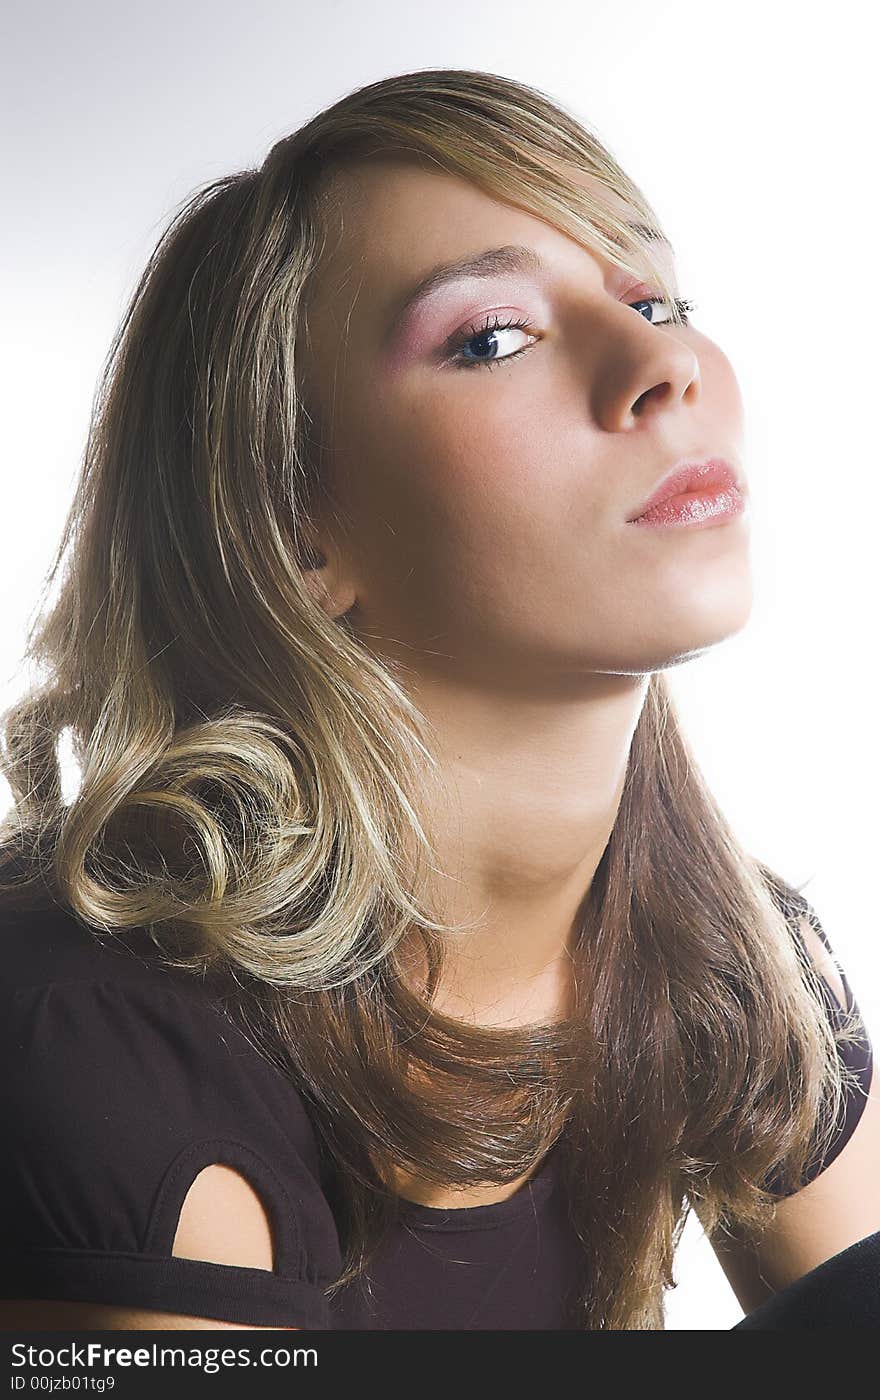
[(753, 131)]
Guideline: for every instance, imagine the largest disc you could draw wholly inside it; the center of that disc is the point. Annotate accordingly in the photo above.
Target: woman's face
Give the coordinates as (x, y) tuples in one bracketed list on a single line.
[(486, 527)]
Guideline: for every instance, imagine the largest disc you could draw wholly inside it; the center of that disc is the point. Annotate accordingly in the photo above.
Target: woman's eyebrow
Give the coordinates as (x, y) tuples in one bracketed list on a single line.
[(511, 258)]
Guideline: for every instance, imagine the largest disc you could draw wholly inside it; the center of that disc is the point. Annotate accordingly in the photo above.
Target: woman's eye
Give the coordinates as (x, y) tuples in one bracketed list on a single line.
[(683, 308), (483, 343)]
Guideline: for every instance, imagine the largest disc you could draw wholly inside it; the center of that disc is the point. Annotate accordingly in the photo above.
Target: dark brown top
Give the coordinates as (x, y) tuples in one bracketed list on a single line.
[(121, 1080)]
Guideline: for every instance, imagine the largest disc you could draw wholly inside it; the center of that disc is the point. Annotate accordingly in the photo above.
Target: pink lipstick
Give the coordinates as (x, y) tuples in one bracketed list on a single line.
[(696, 494)]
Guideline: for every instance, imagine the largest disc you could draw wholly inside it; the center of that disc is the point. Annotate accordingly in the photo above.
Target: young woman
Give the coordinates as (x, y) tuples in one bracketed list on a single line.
[(393, 966)]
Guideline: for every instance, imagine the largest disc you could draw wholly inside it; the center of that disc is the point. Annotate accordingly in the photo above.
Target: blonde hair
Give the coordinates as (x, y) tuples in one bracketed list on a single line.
[(250, 773)]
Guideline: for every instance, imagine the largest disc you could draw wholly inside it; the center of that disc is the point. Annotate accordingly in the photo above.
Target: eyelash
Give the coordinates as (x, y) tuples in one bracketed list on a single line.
[(477, 332)]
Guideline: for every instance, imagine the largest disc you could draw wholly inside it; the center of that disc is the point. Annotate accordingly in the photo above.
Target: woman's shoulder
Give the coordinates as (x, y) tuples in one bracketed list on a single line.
[(100, 1009), (43, 943), (123, 1079), (50, 947)]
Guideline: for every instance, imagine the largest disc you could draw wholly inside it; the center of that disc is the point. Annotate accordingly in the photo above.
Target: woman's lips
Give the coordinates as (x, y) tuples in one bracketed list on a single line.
[(708, 506), (704, 493)]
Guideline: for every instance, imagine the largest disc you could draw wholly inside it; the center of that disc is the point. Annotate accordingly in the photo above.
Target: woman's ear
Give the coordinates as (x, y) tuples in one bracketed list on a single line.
[(326, 574)]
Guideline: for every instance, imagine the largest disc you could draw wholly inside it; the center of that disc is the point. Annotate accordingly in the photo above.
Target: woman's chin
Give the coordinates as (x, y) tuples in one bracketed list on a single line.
[(666, 637)]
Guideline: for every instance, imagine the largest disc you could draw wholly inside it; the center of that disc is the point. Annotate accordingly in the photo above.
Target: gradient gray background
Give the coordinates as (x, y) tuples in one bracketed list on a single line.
[(753, 130)]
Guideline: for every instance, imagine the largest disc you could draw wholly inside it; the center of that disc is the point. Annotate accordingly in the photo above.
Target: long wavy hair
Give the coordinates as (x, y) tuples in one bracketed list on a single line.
[(250, 774)]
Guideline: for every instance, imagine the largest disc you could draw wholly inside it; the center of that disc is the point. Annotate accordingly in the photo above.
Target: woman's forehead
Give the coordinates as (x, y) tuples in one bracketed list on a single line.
[(377, 205)]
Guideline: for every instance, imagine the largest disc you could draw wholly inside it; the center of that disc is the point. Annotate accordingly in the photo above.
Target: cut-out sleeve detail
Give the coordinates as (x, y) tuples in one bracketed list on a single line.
[(113, 1097)]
